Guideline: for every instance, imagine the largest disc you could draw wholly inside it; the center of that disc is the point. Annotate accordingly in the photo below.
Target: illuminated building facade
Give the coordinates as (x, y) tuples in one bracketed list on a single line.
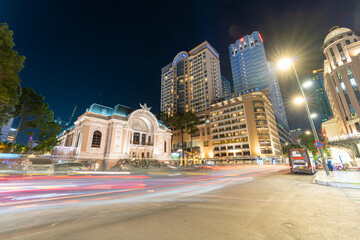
[(192, 81), (321, 97), (240, 126), (342, 77), (107, 135), (250, 69), (226, 87), (5, 130), (341, 81)]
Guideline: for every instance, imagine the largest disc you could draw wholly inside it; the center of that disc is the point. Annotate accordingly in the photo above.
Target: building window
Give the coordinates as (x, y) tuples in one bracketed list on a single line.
[(96, 140), (164, 146), (136, 138), (347, 42), (143, 138), (341, 51), (337, 90), (342, 84), (333, 57), (353, 83), (149, 139), (206, 143)]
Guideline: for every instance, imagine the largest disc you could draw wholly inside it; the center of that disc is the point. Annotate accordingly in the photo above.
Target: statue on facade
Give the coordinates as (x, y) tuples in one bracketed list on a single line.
[(145, 107)]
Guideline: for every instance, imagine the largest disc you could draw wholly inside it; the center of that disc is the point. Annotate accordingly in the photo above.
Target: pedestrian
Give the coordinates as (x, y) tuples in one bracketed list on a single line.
[(330, 166)]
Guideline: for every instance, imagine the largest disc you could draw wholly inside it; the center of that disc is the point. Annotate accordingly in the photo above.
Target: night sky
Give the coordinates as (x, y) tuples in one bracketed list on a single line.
[(111, 52)]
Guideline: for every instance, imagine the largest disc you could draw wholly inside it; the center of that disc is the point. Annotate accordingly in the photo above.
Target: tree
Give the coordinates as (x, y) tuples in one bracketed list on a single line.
[(47, 137), (286, 148), (192, 122), (183, 123), (11, 63), (162, 116), (33, 112), (308, 141)]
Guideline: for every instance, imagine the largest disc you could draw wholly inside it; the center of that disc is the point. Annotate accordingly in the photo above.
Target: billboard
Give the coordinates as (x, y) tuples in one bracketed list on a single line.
[(64, 151)]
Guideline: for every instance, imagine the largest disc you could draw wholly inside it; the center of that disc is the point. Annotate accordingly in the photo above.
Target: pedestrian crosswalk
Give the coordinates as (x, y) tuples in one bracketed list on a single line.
[(354, 195)]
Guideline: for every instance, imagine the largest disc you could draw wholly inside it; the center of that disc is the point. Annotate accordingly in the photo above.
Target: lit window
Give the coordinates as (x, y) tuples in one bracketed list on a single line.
[(96, 141)]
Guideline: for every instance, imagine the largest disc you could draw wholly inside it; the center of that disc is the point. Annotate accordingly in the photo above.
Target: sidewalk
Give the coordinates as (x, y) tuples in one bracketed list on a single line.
[(346, 179)]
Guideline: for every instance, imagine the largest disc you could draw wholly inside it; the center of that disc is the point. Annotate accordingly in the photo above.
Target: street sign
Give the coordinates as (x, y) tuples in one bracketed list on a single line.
[(319, 144)]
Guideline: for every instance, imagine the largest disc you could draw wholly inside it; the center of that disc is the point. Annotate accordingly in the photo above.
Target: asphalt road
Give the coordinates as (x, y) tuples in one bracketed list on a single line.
[(235, 203)]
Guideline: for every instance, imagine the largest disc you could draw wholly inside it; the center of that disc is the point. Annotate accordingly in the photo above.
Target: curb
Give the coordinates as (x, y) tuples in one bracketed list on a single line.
[(337, 184)]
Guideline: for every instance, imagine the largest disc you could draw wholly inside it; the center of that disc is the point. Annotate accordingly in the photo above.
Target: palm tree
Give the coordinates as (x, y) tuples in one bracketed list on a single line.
[(184, 123), (192, 129)]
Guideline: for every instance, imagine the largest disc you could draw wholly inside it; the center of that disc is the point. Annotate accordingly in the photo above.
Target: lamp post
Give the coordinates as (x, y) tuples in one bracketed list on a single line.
[(286, 63)]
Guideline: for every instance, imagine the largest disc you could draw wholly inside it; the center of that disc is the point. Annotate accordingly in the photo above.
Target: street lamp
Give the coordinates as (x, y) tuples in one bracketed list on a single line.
[(307, 84), (313, 115), (285, 64), (298, 100), (307, 132)]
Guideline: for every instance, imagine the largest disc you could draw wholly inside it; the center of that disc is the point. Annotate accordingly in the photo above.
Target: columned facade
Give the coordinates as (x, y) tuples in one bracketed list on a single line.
[(342, 77), (107, 135)]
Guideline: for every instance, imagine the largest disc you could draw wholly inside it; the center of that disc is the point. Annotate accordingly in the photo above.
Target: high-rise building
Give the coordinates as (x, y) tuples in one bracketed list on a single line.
[(237, 127), (342, 77), (321, 97), (250, 69), (5, 130), (191, 81), (226, 87)]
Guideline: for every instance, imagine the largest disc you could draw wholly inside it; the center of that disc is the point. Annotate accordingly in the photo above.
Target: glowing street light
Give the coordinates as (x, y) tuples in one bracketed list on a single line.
[(307, 132), (298, 100), (284, 64), (307, 84), (313, 115)]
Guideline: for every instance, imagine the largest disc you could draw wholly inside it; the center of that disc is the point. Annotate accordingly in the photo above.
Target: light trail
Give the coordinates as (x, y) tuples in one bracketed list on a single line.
[(109, 190)]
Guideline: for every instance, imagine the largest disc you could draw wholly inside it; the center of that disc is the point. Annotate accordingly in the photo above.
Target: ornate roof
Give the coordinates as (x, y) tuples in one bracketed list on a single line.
[(336, 31)]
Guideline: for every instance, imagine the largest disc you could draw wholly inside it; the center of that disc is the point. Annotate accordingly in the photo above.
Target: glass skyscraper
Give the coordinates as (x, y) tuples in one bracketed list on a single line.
[(250, 69), (226, 87), (321, 97)]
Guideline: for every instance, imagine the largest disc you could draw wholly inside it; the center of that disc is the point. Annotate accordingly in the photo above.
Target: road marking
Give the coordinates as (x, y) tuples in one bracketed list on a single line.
[(174, 174), (158, 173), (196, 174)]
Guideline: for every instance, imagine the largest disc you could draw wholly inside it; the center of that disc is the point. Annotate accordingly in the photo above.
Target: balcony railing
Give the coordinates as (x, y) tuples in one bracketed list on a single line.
[(142, 143)]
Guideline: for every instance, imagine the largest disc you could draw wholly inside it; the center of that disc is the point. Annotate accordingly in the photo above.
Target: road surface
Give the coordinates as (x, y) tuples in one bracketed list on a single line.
[(233, 203)]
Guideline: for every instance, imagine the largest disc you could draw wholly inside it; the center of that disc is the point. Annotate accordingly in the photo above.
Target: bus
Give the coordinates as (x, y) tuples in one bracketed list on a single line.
[(300, 161)]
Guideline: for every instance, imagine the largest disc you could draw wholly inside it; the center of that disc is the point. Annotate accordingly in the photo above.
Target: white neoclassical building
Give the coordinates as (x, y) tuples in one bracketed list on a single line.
[(106, 135)]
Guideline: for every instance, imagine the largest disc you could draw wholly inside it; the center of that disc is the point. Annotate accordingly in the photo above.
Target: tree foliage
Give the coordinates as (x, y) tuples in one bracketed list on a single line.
[(47, 137), (33, 111), (183, 123), (18, 148), (11, 63), (308, 140)]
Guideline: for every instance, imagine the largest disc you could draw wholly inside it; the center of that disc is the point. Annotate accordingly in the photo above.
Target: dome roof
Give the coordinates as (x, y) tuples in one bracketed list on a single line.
[(336, 31)]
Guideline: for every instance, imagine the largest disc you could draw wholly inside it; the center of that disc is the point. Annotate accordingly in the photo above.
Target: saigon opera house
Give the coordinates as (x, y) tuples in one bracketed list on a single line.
[(105, 135)]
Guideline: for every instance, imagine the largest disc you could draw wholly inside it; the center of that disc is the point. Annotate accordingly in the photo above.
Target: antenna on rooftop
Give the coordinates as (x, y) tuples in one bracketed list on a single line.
[(64, 124)]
